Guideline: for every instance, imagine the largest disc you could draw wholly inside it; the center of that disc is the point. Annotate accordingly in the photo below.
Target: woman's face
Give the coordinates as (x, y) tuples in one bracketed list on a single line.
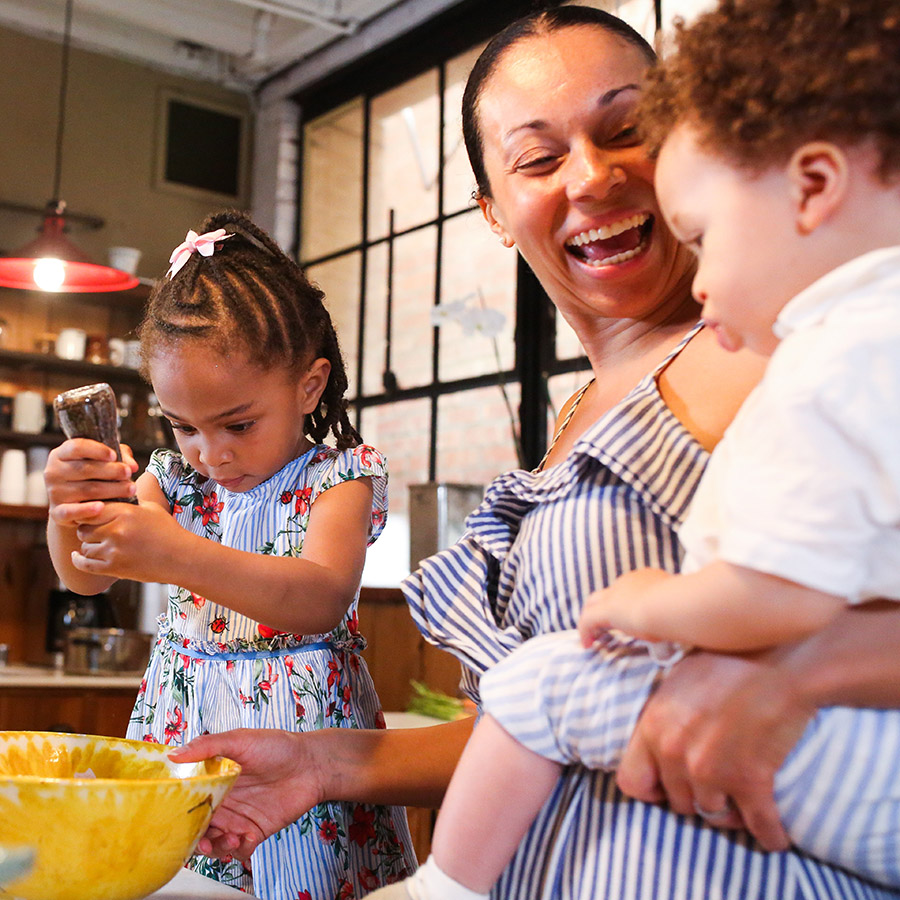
[(571, 185)]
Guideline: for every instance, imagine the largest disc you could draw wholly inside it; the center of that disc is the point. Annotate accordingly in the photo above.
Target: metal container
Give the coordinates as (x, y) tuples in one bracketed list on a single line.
[(437, 516), (106, 651)]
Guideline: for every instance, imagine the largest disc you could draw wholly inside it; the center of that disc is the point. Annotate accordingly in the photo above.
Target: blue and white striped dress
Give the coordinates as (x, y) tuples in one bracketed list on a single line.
[(535, 547), (213, 669)]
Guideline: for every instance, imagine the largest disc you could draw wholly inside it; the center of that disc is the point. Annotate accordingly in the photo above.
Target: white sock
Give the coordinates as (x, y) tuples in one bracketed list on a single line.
[(430, 883)]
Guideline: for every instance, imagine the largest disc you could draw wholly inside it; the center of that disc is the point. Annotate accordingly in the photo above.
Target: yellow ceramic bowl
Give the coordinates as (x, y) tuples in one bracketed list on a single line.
[(109, 819)]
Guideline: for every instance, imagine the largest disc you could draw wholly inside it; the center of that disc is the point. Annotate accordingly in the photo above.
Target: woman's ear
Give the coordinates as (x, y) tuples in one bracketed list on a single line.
[(487, 210), (818, 174), (311, 385)]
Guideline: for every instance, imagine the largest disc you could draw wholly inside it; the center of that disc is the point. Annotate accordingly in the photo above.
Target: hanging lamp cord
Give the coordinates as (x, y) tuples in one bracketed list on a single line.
[(63, 88)]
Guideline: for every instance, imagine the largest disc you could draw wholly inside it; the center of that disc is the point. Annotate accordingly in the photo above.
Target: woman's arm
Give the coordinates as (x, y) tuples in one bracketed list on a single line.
[(284, 774), (721, 726), (305, 595)]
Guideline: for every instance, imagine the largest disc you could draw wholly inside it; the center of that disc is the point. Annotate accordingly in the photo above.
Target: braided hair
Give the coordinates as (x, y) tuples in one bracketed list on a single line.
[(251, 294)]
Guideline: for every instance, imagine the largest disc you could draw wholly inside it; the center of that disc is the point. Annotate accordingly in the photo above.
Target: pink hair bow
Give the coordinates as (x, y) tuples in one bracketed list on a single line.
[(204, 244)]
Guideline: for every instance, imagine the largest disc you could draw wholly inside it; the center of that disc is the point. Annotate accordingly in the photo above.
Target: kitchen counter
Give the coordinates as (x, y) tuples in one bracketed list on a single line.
[(19, 676)]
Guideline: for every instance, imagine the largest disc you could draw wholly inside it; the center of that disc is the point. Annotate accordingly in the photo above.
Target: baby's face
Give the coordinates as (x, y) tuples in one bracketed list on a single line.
[(741, 227)]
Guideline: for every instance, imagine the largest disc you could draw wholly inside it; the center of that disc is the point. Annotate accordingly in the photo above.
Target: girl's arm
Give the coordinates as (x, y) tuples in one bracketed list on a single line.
[(284, 774), (79, 475), (720, 607), (721, 726), (305, 595)]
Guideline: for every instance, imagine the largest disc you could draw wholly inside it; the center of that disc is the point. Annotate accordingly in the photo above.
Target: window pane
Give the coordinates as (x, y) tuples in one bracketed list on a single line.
[(475, 442), (561, 387), (413, 297), (458, 179), (403, 162), (479, 279), (339, 278), (639, 14), (332, 181), (401, 431)]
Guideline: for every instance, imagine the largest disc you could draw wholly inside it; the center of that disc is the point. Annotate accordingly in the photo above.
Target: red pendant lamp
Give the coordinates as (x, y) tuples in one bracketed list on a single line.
[(51, 262)]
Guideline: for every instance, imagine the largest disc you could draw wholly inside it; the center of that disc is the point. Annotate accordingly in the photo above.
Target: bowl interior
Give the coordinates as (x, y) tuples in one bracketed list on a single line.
[(48, 755)]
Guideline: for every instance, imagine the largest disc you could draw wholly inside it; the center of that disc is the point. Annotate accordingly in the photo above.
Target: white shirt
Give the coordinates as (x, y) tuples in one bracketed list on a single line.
[(805, 484)]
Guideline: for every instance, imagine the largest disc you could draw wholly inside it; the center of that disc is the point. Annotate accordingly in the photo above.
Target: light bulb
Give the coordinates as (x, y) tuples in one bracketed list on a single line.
[(49, 273)]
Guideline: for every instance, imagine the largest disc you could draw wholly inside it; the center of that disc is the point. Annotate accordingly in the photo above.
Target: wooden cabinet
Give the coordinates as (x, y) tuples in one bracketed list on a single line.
[(80, 710), (397, 653), (30, 319)]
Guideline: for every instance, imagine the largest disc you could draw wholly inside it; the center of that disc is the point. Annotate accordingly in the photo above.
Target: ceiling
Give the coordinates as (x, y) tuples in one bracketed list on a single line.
[(238, 43)]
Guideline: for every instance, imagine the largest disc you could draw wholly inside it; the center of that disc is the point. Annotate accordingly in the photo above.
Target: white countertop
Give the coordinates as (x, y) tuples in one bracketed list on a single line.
[(410, 720), (186, 885), (19, 676)]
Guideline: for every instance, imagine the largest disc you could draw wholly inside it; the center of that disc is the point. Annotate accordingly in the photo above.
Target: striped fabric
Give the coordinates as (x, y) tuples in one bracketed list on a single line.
[(213, 669), (536, 545), (838, 792)]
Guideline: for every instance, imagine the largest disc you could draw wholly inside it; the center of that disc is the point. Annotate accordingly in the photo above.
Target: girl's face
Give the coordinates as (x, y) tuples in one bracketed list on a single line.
[(234, 421), (571, 184)]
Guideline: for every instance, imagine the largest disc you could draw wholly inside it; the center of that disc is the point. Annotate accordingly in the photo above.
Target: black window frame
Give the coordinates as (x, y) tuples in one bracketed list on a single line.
[(429, 47)]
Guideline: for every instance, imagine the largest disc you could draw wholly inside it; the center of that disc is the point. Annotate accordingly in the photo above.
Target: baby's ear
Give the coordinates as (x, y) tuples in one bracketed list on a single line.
[(818, 173), (312, 383)]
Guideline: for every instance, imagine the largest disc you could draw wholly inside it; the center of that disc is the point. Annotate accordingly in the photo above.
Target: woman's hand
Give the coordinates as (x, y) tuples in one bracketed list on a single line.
[(713, 736), (80, 473), (141, 542), (278, 783)]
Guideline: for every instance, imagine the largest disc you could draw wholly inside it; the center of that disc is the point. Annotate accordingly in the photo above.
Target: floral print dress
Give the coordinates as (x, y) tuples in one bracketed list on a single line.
[(213, 669)]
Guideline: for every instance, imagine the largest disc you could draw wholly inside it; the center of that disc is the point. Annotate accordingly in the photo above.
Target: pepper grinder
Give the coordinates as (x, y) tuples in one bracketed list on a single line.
[(91, 412)]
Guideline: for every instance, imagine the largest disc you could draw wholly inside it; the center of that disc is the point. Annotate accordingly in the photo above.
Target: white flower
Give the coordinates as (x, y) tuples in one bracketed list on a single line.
[(488, 322), (447, 312)]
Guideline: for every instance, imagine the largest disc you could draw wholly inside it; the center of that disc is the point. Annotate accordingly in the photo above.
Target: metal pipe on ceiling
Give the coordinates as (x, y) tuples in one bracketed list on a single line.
[(291, 11)]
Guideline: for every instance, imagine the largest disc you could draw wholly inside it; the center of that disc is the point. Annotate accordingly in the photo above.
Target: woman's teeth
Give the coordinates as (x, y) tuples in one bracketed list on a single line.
[(608, 231), (631, 234)]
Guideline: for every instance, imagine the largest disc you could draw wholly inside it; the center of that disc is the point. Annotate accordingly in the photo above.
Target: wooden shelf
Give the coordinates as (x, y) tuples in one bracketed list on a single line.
[(134, 299), (47, 363), (32, 513), (54, 439)]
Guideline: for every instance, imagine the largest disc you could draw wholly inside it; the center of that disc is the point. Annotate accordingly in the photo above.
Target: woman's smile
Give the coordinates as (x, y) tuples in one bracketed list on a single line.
[(617, 242)]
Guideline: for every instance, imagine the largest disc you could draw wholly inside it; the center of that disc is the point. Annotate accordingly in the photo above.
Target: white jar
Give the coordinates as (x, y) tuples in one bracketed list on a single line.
[(71, 343), (35, 489), (29, 414), (13, 470)]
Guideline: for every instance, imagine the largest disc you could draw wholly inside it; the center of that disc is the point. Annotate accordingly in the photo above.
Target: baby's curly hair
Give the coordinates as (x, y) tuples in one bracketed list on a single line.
[(759, 78)]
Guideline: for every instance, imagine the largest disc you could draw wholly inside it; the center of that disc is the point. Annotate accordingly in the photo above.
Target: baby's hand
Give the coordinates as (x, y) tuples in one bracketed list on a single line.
[(620, 606), (81, 472)]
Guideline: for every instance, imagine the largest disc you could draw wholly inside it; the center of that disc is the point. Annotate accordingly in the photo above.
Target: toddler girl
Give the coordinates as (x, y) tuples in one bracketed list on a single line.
[(260, 529)]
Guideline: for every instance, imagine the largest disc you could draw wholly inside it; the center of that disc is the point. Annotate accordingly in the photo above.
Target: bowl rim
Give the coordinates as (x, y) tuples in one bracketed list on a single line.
[(231, 768)]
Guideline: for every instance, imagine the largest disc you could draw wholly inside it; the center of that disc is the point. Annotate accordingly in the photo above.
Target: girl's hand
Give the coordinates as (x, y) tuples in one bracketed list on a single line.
[(277, 784), (80, 473), (620, 606), (123, 540)]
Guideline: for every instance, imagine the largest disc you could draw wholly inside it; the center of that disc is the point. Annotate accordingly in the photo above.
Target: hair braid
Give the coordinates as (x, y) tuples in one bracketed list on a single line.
[(251, 294)]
